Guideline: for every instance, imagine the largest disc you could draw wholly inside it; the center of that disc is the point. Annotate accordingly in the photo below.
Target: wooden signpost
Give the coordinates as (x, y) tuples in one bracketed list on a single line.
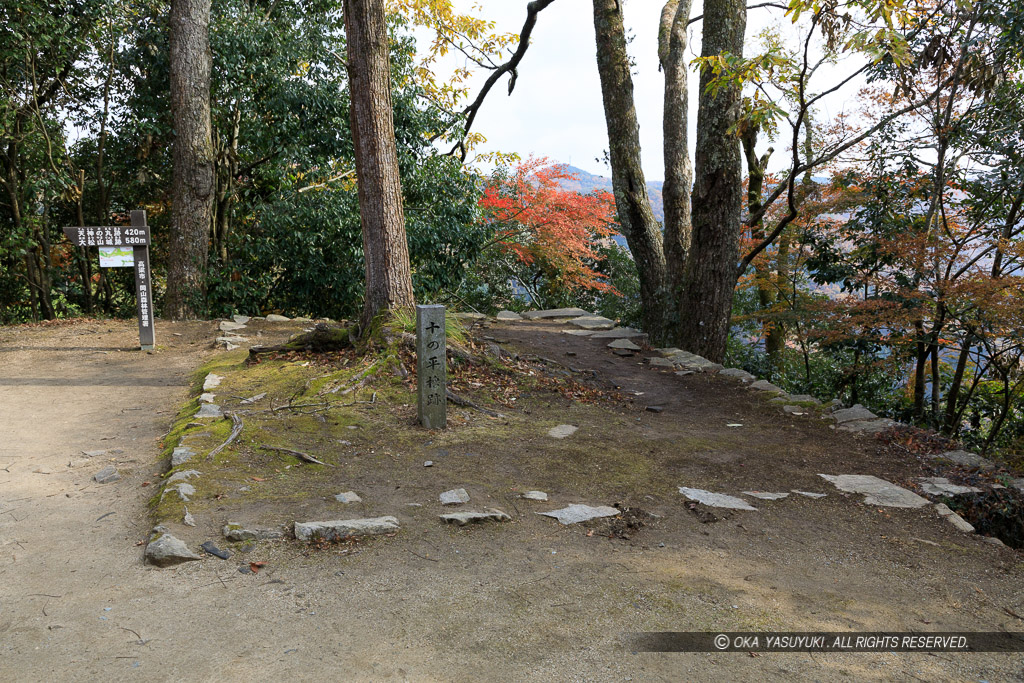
[(431, 367), (135, 236)]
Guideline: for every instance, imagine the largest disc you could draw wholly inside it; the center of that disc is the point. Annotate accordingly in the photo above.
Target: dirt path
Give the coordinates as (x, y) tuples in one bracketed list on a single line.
[(524, 601)]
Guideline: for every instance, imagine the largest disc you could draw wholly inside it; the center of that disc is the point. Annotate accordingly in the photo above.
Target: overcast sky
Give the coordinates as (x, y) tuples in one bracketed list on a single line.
[(556, 110)]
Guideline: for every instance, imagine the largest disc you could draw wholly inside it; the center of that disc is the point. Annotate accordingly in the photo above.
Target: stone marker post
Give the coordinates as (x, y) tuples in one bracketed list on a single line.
[(431, 366)]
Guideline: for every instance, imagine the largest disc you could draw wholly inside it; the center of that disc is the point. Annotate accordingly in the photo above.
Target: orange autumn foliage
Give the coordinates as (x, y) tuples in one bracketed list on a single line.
[(543, 225)]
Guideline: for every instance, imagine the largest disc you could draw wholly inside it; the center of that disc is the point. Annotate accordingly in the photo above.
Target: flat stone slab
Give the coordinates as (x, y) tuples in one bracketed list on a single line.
[(341, 529), (164, 550), (953, 518), (766, 495), (876, 491), (470, 315), (576, 513), (808, 494), (508, 315), (623, 344), (736, 373), (275, 318), (181, 455), (562, 431), (857, 412), (765, 385), (107, 475), (656, 362), (211, 382), (184, 490), (241, 319), (348, 497), (454, 497), (231, 326), (716, 500), (879, 424), (794, 410), (464, 518), (594, 322), (184, 475), (940, 486), (237, 532), (619, 333), (207, 397), (579, 333), (804, 398), (966, 459), (556, 313), (209, 411), (534, 495)]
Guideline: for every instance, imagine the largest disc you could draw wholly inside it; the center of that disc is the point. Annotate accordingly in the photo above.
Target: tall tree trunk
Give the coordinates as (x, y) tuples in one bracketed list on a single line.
[(712, 260), (388, 275), (672, 40), (192, 198), (636, 218)]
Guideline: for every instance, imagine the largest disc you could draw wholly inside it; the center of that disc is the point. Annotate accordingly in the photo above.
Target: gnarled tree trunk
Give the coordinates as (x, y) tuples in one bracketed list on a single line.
[(636, 218), (388, 275), (192, 200), (678, 171), (706, 306)]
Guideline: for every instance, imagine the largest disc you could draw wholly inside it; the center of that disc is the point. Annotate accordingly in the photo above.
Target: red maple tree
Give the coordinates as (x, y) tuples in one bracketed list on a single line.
[(542, 224)]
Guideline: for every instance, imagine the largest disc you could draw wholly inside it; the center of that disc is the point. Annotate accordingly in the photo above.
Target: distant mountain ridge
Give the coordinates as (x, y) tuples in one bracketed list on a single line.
[(588, 182)]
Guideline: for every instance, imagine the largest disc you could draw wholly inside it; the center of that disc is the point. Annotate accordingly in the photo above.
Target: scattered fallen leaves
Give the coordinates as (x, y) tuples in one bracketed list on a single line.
[(255, 567)]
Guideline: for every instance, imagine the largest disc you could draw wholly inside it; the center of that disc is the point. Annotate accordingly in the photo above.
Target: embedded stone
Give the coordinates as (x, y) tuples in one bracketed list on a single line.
[(229, 326), (470, 315), (874, 426), (623, 344), (660, 362), (556, 313), (164, 550), (508, 315), (579, 333), (341, 529), (736, 373), (275, 318), (184, 475), (464, 518), (766, 495), (454, 497), (209, 411), (965, 459), (562, 431), (804, 398), (619, 333), (348, 497), (576, 513), (765, 385), (857, 412), (876, 491), (953, 518), (808, 494), (107, 475), (535, 495), (241, 319), (940, 486), (717, 500), (184, 490), (236, 532), (212, 382), (594, 322)]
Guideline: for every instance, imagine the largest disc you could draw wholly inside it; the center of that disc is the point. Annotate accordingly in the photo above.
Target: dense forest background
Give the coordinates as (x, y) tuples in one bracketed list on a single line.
[(881, 265)]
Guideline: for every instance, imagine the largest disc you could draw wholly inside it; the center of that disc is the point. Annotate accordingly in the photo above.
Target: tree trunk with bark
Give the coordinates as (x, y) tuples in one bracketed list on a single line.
[(636, 218), (678, 171), (388, 274), (711, 265), (192, 189)]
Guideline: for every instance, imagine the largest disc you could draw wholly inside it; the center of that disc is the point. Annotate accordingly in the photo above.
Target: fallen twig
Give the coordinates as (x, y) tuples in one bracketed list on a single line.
[(298, 454), (235, 431), (459, 401)]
